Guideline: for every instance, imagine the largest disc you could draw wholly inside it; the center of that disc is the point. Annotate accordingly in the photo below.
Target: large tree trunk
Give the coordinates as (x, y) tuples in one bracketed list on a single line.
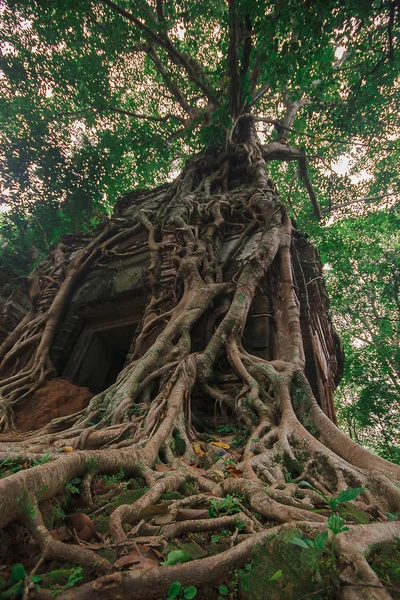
[(191, 371)]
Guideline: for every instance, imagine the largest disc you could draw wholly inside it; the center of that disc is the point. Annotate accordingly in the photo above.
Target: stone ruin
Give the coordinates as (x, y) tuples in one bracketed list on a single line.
[(97, 335)]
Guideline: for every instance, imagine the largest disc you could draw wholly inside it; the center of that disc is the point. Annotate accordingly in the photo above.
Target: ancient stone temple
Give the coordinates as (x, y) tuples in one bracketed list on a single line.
[(97, 335)]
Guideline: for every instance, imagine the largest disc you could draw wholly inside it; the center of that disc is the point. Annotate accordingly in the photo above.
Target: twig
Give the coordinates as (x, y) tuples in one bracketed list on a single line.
[(28, 580)]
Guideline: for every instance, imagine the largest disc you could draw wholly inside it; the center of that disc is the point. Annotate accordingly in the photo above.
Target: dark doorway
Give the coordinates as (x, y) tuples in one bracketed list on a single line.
[(103, 356)]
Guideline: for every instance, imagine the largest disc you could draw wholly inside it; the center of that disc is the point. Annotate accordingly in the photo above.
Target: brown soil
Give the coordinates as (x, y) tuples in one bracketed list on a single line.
[(56, 398)]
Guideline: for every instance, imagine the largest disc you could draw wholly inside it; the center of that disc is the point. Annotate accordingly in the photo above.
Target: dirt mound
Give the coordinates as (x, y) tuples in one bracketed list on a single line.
[(56, 398)]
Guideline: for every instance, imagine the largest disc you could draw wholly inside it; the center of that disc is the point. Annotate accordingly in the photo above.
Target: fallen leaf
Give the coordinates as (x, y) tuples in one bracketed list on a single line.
[(142, 557), (234, 472), (67, 449), (163, 519), (136, 528), (83, 526), (61, 534), (136, 560), (198, 450), (221, 445)]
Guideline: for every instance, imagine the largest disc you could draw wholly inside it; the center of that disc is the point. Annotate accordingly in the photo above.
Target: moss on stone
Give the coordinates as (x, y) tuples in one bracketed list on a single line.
[(172, 496), (57, 577), (386, 563), (101, 523), (266, 560), (350, 512), (109, 554), (125, 497)]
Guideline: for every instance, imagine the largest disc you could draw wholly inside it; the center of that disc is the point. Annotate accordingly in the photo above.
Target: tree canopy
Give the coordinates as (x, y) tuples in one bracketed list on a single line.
[(99, 97)]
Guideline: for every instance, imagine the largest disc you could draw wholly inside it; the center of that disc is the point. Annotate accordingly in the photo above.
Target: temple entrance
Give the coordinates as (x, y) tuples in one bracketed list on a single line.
[(100, 354)]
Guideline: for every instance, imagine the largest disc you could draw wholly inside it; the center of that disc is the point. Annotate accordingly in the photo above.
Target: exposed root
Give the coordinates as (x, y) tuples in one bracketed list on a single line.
[(195, 410)]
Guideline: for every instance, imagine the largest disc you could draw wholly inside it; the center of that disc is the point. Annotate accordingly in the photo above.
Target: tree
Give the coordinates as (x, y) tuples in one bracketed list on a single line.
[(367, 317), (106, 95)]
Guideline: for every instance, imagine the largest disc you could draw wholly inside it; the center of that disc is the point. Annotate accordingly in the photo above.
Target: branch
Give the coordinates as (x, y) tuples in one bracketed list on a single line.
[(364, 199), (160, 10), (170, 84), (278, 151), (121, 111), (306, 180), (263, 89), (191, 66), (288, 119), (233, 61), (279, 125), (247, 45)]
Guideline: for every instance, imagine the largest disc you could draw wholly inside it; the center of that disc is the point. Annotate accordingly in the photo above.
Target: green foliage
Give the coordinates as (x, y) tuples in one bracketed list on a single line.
[(75, 577), (223, 590), (175, 590), (117, 478), (224, 429), (177, 557), (363, 256), (17, 579), (71, 486), (13, 465), (18, 573), (320, 554), (229, 505)]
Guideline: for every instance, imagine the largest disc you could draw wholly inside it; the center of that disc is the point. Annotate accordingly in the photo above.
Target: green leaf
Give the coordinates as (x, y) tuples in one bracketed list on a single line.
[(190, 592), (14, 591), (18, 573), (300, 542), (175, 557), (349, 494), (276, 575), (173, 590), (336, 524), (392, 516), (304, 483), (321, 540), (223, 590)]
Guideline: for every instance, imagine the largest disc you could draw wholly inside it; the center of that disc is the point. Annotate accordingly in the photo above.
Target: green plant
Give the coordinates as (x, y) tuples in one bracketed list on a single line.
[(392, 516), (117, 478), (318, 547), (221, 429), (59, 513), (243, 576), (75, 577), (70, 486), (333, 503), (223, 590), (18, 576), (45, 459), (10, 466), (227, 506), (175, 557), (177, 591), (237, 441)]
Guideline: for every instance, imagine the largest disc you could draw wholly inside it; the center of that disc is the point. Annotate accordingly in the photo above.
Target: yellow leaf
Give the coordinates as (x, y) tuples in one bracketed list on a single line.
[(198, 450), (221, 445), (68, 449)]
